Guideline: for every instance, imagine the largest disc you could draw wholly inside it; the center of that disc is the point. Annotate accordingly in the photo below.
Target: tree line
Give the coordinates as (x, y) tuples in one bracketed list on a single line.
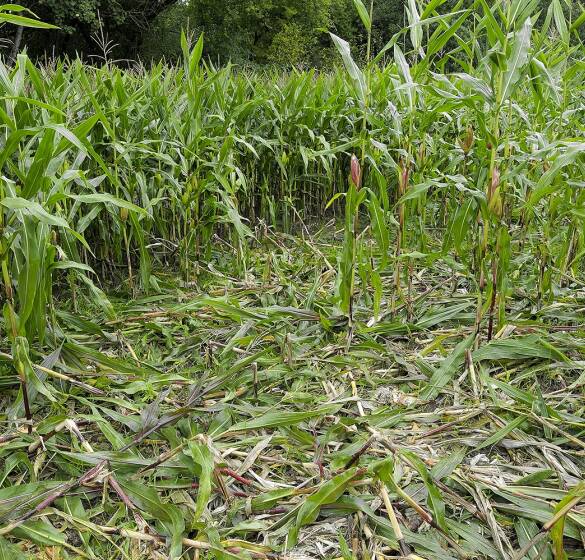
[(258, 32), (284, 33)]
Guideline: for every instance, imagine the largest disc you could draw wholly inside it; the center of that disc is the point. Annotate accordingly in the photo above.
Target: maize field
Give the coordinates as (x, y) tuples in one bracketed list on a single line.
[(331, 315)]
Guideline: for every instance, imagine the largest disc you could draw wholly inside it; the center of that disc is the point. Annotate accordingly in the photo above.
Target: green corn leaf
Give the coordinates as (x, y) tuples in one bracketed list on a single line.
[(14, 8), (352, 68), (404, 70), (343, 546), (520, 348), (174, 526), (494, 31), (560, 22), (35, 180), (545, 186), (363, 13), (24, 21), (476, 85), (144, 498), (578, 22), (103, 198), (431, 7), (535, 478), (31, 208), (416, 31), (502, 433), (443, 34), (41, 532), (434, 499), (460, 227), (35, 102), (379, 227), (448, 369), (203, 459), (520, 10), (9, 551), (519, 57), (557, 531), (195, 57), (329, 493), (276, 419), (448, 464)]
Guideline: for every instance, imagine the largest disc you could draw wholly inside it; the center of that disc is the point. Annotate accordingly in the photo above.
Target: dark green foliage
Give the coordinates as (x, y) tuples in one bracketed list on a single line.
[(166, 28), (124, 22), (281, 31), (286, 33)]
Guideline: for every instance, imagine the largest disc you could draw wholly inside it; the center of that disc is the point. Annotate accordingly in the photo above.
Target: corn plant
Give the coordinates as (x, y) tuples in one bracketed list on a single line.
[(114, 173), (183, 248)]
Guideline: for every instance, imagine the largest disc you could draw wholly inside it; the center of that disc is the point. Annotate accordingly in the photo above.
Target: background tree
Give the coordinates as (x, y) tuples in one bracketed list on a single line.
[(285, 33), (281, 32), (167, 27), (245, 30), (124, 21)]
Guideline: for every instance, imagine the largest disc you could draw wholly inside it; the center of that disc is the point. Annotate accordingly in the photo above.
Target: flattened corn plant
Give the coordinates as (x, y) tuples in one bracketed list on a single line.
[(452, 162)]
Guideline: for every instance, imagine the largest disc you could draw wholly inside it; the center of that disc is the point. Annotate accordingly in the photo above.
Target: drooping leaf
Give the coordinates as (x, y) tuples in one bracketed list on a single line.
[(352, 68)]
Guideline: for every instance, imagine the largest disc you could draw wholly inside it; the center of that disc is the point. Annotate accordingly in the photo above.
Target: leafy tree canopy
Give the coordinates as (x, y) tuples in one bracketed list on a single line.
[(124, 22), (286, 33)]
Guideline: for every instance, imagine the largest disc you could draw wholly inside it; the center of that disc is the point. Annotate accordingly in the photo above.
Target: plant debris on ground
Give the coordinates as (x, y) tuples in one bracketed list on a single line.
[(242, 418)]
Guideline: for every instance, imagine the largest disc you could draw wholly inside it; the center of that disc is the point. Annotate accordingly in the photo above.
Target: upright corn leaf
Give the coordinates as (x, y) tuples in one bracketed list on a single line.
[(363, 13), (519, 57)]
